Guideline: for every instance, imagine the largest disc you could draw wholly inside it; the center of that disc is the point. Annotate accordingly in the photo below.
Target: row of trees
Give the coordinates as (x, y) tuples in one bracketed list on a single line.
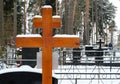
[(13, 18), (77, 15), (90, 17)]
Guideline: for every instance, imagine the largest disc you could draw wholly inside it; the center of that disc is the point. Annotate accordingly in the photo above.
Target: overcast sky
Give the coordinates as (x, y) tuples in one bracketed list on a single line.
[(117, 19)]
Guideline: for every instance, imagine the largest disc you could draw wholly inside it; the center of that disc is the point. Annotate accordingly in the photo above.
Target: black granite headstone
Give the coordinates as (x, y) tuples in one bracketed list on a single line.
[(76, 55), (29, 56), (23, 77)]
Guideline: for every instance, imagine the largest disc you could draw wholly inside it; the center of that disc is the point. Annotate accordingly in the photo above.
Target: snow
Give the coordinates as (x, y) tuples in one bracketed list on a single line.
[(56, 16), (66, 36), (117, 14), (37, 16), (29, 35), (24, 68), (47, 6), (88, 74), (105, 72), (57, 35)]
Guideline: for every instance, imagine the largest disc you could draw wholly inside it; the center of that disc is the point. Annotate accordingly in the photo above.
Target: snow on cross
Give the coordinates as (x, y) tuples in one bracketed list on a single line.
[(47, 41)]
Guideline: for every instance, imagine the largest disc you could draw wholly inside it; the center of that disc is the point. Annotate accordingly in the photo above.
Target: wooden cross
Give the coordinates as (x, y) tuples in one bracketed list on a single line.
[(47, 41)]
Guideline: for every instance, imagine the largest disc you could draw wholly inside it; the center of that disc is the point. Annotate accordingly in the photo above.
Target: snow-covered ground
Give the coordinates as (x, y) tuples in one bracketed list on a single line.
[(85, 74)]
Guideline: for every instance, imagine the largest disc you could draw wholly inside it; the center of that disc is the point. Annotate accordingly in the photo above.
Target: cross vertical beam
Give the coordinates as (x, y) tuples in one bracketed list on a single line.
[(47, 41), (47, 48)]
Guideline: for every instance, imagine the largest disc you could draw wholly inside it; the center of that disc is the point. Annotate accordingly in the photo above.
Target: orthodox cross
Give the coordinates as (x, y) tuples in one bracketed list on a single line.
[(47, 41), (100, 43)]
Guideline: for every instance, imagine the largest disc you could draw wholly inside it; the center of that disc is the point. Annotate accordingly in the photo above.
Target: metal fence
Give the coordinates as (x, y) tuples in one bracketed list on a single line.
[(79, 65)]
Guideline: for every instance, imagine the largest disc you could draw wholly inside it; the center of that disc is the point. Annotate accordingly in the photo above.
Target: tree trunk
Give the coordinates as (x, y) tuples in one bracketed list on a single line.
[(24, 16), (96, 16), (74, 10), (1, 23), (86, 30), (1, 26), (15, 19), (66, 16), (69, 16)]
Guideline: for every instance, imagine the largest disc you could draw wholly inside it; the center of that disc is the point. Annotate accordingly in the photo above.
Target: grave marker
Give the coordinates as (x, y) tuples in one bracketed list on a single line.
[(47, 41)]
